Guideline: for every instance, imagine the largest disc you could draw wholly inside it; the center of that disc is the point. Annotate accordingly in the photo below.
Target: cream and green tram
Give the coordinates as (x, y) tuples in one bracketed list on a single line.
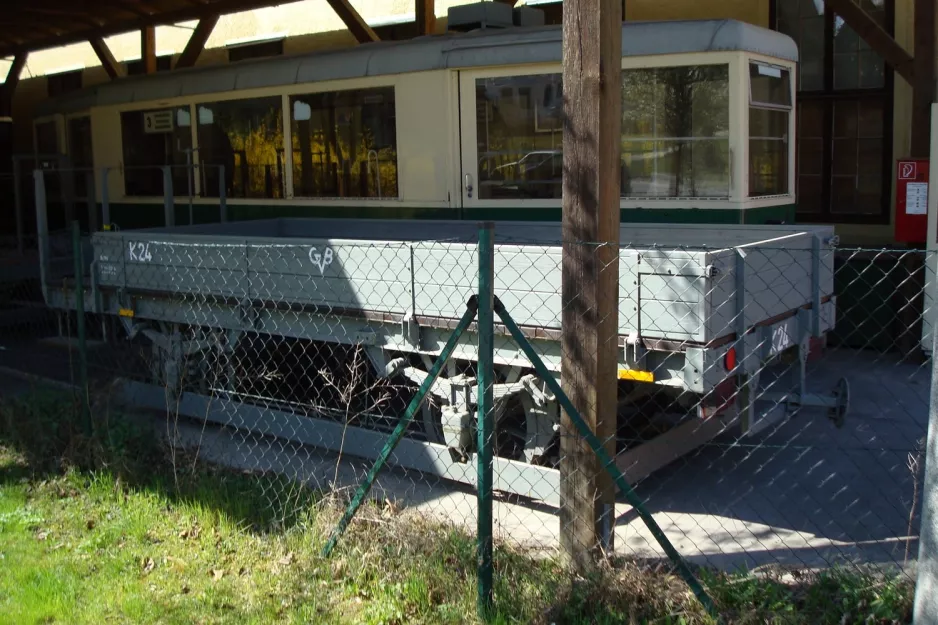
[(461, 126)]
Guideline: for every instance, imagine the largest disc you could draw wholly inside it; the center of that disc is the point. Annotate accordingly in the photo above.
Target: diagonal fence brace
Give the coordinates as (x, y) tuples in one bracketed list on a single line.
[(604, 457), (471, 307)]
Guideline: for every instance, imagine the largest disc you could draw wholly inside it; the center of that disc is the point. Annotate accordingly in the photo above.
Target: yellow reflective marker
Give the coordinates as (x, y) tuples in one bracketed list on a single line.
[(125, 312), (636, 376)]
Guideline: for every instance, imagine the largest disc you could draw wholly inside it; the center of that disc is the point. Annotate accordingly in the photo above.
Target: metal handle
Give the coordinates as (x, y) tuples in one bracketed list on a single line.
[(468, 182)]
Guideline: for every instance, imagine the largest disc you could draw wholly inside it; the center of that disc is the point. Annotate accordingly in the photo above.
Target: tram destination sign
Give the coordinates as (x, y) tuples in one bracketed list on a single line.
[(158, 121)]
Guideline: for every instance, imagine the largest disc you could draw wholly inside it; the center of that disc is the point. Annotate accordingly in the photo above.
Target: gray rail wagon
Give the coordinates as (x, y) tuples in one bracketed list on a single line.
[(702, 311)]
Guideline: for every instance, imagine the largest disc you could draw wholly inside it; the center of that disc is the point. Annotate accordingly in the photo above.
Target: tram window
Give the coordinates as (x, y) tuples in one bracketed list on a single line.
[(79, 152), (149, 145), (769, 111), (246, 136), (519, 134), (345, 144), (675, 132)]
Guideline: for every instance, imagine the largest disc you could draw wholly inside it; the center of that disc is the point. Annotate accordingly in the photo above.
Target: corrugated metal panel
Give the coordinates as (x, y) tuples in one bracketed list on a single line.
[(513, 46)]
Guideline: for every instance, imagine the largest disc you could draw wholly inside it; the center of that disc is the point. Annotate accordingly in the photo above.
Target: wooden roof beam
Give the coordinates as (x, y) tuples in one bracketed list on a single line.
[(9, 86), (425, 14), (16, 69), (353, 20), (875, 36), (120, 17), (197, 42), (110, 64)]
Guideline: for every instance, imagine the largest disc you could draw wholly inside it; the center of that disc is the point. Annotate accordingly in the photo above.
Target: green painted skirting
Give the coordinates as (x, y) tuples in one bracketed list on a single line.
[(131, 216)]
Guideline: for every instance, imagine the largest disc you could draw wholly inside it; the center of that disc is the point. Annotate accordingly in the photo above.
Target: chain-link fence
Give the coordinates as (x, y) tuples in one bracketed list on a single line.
[(768, 412)]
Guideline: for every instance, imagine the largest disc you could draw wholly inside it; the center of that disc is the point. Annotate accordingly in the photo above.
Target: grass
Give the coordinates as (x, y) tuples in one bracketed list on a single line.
[(109, 528)]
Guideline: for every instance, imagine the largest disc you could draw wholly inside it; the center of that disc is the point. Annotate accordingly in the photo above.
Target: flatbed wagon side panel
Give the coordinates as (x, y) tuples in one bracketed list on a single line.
[(528, 281), (445, 276), (332, 275), (171, 264)]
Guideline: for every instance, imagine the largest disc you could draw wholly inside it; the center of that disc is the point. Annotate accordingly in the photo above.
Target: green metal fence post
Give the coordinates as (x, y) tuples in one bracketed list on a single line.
[(486, 426), (80, 322), (401, 426), (607, 461)]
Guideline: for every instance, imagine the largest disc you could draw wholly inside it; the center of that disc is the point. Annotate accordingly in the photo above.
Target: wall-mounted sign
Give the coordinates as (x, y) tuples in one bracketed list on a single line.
[(158, 121)]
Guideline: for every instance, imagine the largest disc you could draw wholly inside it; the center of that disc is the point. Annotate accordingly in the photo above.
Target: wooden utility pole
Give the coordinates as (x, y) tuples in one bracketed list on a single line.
[(592, 104)]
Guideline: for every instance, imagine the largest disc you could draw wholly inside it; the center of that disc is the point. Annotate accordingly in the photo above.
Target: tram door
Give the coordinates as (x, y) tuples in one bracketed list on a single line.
[(510, 138)]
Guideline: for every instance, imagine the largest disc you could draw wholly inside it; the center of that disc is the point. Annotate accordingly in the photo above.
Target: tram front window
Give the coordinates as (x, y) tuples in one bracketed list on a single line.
[(675, 134)]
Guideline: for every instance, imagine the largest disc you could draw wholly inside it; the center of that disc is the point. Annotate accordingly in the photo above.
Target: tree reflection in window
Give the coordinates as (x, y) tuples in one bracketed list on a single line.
[(345, 144), (246, 136), (675, 132)]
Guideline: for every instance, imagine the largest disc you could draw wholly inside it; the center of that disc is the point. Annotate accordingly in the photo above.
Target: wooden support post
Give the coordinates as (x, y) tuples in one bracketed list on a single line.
[(425, 15), (197, 41), (874, 35), (362, 31), (148, 49), (592, 103), (912, 288), (923, 88), (9, 86), (110, 64)]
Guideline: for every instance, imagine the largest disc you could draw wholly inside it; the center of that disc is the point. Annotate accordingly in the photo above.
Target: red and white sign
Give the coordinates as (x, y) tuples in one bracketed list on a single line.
[(908, 170), (911, 200)]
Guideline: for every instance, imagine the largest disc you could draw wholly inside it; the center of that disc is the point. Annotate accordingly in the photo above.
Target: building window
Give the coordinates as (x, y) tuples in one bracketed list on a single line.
[(844, 112), (246, 137), (153, 139), (675, 132), (769, 115), (59, 84), (258, 50), (345, 144), (164, 63)]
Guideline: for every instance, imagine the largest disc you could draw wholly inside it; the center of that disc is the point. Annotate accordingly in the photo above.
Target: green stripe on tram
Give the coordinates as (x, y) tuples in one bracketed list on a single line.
[(138, 215)]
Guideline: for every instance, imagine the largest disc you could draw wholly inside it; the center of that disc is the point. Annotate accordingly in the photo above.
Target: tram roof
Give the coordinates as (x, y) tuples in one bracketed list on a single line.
[(515, 46)]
